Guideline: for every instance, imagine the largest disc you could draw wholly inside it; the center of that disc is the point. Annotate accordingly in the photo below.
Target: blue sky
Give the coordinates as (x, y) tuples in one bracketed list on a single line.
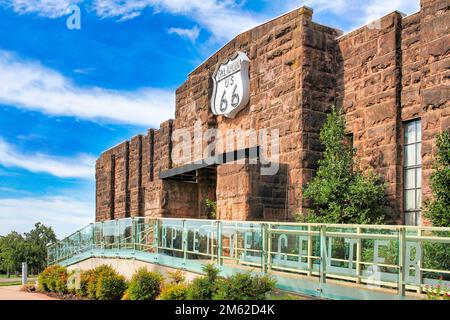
[(67, 95)]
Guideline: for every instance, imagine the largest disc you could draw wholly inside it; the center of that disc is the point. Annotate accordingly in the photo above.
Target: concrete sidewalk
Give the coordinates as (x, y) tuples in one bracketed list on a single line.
[(14, 293)]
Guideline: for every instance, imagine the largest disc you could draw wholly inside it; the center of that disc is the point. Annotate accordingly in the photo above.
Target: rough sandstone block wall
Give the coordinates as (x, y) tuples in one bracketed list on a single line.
[(368, 83), (292, 80), (425, 87), (245, 194), (382, 75), (394, 71)]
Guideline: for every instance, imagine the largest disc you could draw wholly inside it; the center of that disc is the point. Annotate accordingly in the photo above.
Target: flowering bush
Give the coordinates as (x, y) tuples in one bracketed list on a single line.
[(438, 292), (53, 279)]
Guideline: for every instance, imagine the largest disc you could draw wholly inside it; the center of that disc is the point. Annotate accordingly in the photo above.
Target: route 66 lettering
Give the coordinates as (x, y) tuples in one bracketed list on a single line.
[(235, 98), (223, 102), (231, 90)]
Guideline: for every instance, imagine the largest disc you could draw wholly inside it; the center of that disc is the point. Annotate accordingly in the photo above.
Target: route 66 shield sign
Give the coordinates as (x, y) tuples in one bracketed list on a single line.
[(231, 86)]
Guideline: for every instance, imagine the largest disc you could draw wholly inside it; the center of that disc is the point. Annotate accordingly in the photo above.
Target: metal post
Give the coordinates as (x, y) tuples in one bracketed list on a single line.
[(419, 290), (310, 250), (134, 233), (211, 236), (269, 249), (117, 230), (24, 273), (358, 256), (323, 255), (264, 234), (401, 262), (184, 242), (79, 242), (102, 245), (93, 242), (235, 243), (156, 236), (219, 243)]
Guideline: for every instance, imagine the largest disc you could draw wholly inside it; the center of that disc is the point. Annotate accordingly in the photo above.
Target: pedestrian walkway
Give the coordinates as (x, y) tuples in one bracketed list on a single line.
[(14, 293)]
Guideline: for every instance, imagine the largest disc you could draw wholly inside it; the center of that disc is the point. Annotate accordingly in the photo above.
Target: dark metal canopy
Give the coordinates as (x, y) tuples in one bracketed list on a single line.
[(188, 172)]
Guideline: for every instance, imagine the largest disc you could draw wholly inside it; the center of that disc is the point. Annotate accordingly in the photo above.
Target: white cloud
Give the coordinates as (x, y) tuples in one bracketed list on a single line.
[(224, 19), (81, 166), (29, 85), (190, 34), (378, 8), (45, 8), (64, 214), (355, 12)]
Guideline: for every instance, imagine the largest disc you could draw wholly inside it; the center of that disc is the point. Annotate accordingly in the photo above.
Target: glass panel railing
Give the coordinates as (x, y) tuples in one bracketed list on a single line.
[(395, 257)]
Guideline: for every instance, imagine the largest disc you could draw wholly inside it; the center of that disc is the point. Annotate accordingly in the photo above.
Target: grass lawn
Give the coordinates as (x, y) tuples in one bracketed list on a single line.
[(14, 283), (3, 276)]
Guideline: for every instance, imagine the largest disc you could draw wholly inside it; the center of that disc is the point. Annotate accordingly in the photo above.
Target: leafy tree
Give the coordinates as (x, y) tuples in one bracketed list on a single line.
[(12, 252), (438, 210), (340, 192), (37, 240), (30, 248)]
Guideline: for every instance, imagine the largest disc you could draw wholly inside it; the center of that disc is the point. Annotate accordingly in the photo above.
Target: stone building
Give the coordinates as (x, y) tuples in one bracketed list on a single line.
[(391, 78)]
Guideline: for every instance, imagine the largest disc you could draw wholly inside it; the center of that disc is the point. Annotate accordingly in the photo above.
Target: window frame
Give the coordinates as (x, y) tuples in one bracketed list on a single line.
[(417, 187)]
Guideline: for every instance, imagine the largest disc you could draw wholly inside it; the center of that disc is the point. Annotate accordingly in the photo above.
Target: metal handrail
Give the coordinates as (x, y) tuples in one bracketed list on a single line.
[(265, 242)]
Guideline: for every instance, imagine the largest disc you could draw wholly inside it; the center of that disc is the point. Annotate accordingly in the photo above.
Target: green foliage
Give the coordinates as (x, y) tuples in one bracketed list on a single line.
[(244, 286), (175, 291), (437, 292), (212, 206), (436, 256), (30, 248), (53, 279), (204, 288), (86, 277), (110, 285), (92, 282), (144, 285), (12, 252), (176, 277), (438, 210), (36, 246), (340, 192)]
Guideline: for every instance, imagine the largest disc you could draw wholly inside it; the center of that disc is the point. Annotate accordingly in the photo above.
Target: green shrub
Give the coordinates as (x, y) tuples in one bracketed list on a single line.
[(437, 210), (176, 277), (53, 279), (174, 291), (436, 256), (340, 192), (93, 277), (86, 277), (244, 286), (204, 288), (110, 287), (212, 206), (145, 285)]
